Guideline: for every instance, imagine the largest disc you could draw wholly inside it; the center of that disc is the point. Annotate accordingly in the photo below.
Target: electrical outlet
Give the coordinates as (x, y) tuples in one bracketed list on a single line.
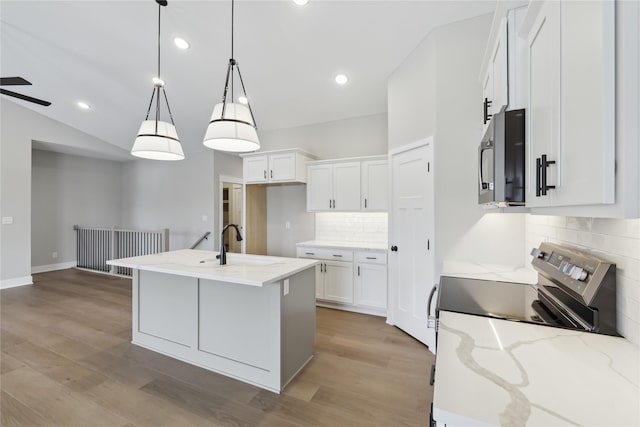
[(54, 254), (287, 225), (7, 220), (286, 287), (204, 218)]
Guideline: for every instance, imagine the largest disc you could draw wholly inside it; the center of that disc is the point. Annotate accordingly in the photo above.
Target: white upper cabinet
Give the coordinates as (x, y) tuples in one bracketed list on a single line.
[(571, 112), (279, 166), (375, 185), (333, 187), (501, 73), (319, 187), (348, 185), (544, 103)]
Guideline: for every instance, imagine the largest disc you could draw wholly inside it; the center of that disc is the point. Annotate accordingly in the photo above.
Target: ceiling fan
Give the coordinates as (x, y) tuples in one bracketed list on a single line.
[(19, 81)]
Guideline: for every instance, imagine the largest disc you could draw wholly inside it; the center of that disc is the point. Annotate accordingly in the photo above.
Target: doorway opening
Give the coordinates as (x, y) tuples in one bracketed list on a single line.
[(231, 210)]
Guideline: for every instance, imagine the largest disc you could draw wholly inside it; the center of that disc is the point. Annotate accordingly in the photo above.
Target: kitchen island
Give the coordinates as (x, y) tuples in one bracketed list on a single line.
[(252, 319)]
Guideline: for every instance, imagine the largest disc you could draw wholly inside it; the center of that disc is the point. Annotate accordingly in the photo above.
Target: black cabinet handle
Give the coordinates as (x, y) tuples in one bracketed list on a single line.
[(394, 249), (365, 203), (432, 379), (432, 422), (487, 116), (371, 257), (271, 173), (544, 165), (538, 173), (265, 174), (358, 270), (309, 253), (338, 256)]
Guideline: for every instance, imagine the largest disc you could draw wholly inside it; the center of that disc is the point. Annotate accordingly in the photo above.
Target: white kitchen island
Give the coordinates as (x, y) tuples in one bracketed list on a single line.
[(252, 319)]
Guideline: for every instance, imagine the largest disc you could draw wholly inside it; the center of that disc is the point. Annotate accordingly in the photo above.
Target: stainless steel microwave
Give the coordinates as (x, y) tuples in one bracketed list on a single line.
[(501, 160)]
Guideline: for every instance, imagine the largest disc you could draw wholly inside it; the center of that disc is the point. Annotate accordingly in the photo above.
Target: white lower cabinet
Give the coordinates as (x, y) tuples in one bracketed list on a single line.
[(338, 281), (350, 281), (371, 285)]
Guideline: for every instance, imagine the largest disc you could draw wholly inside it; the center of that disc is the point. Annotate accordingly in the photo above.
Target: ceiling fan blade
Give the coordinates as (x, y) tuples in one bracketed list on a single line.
[(13, 81), (25, 97)]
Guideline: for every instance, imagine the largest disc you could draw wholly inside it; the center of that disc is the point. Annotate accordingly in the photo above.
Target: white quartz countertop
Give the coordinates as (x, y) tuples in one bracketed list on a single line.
[(498, 372), (254, 270), (496, 272), (336, 244)]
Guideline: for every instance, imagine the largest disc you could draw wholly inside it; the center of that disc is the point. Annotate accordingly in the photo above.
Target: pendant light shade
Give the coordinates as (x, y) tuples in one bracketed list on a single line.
[(235, 131), (158, 140), (160, 144), (232, 126)]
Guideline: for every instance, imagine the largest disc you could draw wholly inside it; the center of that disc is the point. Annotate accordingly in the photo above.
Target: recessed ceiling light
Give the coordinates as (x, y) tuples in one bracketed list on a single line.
[(181, 43), (341, 79), (243, 100), (301, 2), (83, 105), (157, 81)]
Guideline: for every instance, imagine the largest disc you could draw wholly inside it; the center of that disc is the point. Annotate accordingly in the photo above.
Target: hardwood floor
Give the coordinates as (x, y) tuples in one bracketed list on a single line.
[(66, 360)]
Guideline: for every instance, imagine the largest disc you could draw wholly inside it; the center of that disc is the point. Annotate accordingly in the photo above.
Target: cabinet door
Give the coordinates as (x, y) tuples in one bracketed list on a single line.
[(371, 285), (544, 100), (498, 67), (587, 98), (320, 281), (255, 169), (346, 187), (282, 167), (375, 185), (338, 281), (319, 188)]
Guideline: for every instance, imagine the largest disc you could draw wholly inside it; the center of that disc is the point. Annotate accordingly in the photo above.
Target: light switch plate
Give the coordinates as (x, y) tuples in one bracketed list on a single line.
[(7, 220), (286, 287)]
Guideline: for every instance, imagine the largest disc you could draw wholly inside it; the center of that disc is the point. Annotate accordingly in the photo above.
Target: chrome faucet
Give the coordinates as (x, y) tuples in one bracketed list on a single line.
[(223, 250)]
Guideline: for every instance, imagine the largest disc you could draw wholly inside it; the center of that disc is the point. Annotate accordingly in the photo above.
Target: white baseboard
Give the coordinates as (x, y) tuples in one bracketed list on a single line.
[(52, 267), (16, 281)]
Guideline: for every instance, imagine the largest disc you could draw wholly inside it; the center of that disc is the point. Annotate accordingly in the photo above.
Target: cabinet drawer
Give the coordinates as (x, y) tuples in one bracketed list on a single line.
[(371, 257), (323, 253)]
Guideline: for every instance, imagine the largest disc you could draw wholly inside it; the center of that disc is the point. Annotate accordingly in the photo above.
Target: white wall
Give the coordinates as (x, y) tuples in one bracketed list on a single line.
[(288, 203), (18, 128), (360, 136), (616, 240), (68, 190), (436, 91), (174, 195)]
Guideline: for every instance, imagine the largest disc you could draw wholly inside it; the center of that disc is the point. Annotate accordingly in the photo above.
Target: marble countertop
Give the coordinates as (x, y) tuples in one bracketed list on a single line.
[(336, 244), (498, 372), (254, 270), (484, 271)]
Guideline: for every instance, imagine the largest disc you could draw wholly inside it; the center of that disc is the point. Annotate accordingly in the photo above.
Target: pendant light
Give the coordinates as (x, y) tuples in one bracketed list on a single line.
[(232, 126), (158, 140)]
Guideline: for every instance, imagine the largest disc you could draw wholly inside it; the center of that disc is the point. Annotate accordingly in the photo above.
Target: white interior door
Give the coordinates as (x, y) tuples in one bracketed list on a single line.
[(411, 266)]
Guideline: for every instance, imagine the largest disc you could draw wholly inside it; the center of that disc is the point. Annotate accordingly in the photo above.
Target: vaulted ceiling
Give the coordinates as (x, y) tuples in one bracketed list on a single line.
[(104, 53)]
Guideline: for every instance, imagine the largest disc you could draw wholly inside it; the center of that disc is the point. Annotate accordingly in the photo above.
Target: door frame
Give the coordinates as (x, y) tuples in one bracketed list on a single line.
[(392, 289), (227, 179)]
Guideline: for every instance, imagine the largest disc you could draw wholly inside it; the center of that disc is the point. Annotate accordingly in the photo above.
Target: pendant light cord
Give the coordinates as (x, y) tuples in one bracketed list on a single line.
[(159, 10)]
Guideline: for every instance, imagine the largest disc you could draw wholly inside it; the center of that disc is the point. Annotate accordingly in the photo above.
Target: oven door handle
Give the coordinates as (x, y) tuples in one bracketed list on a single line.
[(431, 319)]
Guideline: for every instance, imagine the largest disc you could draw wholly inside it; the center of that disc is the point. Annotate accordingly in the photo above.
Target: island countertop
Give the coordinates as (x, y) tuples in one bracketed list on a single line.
[(498, 372), (253, 270)]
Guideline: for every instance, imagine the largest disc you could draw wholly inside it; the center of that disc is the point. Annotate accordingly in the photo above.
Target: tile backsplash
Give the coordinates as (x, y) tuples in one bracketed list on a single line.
[(370, 227), (616, 240)]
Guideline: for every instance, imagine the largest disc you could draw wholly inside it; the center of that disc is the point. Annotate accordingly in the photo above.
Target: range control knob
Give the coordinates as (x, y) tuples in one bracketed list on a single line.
[(579, 274)]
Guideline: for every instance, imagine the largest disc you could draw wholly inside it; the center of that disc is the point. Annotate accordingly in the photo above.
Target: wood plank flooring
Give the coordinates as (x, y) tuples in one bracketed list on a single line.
[(66, 360)]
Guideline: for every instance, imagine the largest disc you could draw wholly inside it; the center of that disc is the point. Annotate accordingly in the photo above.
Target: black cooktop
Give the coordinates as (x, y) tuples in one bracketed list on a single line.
[(501, 300)]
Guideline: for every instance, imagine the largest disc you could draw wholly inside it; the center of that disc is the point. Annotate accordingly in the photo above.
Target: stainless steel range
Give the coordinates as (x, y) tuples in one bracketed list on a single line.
[(575, 290)]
